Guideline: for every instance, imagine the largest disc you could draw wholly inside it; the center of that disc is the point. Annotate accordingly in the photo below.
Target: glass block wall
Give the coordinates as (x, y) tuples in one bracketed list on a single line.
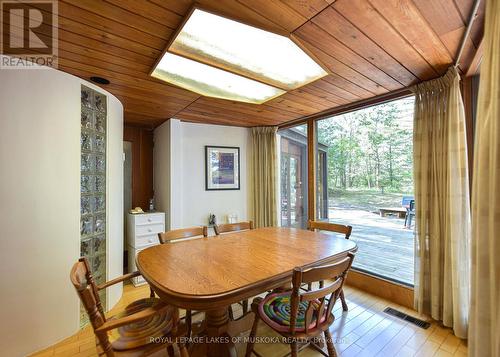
[(93, 186)]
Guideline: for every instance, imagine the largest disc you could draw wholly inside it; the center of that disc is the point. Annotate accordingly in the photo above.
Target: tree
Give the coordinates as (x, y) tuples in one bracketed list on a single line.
[(370, 148)]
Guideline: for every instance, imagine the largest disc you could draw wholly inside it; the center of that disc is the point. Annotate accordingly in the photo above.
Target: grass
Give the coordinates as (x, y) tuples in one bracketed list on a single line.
[(367, 200)]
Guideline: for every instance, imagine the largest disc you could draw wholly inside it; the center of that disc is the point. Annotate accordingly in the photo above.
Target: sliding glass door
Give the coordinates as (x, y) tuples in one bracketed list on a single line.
[(293, 177)]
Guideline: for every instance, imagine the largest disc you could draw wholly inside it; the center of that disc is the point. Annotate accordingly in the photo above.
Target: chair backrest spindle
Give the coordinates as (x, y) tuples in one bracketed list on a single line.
[(82, 280), (316, 299)]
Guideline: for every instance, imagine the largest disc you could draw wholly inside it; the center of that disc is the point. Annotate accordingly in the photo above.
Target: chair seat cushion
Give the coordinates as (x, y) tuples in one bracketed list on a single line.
[(275, 311), (141, 333)]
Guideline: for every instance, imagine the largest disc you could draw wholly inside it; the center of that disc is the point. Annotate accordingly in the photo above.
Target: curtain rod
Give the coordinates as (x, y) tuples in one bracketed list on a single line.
[(472, 17)]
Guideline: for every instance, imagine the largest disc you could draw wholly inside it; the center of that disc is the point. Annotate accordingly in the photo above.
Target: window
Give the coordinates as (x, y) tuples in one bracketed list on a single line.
[(368, 184), (293, 176)]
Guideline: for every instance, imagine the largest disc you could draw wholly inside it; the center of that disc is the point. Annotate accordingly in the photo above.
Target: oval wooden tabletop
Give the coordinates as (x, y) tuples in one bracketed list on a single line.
[(221, 270)]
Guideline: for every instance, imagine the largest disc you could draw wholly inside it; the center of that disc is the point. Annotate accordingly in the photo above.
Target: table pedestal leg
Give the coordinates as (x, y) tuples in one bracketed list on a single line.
[(218, 334), (219, 341)]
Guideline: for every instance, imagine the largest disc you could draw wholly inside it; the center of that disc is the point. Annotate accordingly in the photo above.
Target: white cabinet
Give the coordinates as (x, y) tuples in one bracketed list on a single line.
[(142, 232)]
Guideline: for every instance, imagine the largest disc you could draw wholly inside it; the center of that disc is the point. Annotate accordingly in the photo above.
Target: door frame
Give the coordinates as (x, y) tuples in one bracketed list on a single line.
[(299, 152)]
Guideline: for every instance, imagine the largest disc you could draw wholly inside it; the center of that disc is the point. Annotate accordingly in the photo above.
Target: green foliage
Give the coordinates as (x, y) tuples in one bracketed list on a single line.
[(371, 148), (364, 199)]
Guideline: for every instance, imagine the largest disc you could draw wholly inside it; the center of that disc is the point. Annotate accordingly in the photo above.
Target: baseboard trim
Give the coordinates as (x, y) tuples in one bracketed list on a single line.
[(397, 293)]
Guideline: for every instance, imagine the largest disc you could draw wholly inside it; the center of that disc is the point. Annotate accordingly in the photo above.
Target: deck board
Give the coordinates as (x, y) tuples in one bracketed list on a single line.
[(385, 247)]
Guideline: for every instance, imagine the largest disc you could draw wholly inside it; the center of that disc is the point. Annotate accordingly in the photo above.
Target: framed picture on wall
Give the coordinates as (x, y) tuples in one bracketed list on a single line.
[(222, 168)]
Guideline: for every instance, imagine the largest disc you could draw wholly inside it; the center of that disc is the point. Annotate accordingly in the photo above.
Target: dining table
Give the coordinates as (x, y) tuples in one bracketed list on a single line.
[(210, 274)]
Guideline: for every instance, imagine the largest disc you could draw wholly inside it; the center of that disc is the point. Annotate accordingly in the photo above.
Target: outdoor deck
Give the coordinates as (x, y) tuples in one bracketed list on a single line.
[(385, 247)]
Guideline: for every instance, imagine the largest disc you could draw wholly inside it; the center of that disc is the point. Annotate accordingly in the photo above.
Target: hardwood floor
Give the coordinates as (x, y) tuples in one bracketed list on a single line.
[(365, 330)]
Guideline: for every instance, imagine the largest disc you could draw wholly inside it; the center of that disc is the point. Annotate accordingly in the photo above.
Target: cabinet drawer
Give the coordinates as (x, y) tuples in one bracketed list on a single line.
[(149, 219), (145, 241), (148, 229)]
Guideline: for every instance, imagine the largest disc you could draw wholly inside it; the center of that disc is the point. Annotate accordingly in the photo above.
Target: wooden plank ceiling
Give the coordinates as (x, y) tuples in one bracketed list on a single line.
[(370, 46)]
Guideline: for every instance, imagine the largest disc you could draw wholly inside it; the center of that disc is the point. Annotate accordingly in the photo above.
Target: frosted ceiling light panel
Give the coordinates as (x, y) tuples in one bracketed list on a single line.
[(246, 50), (211, 81), (252, 65)]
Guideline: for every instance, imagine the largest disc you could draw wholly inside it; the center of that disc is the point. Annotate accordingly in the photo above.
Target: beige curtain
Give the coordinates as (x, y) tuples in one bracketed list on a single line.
[(484, 333), (442, 236), (264, 176)]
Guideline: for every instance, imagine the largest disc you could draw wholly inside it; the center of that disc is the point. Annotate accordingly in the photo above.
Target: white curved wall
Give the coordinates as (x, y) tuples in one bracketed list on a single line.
[(40, 205)]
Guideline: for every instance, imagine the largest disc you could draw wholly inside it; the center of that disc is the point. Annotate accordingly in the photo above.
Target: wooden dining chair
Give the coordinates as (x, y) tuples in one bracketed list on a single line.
[(133, 332), (300, 316), (181, 234), (331, 227), (336, 228), (231, 228), (178, 235)]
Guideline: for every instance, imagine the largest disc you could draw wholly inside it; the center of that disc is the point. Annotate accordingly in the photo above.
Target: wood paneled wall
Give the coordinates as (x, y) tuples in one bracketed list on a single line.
[(142, 164), (396, 293)]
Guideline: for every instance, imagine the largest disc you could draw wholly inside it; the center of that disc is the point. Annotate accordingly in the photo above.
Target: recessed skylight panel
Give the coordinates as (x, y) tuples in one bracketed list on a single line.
[(212, 82), (246, 50), (218, 57)]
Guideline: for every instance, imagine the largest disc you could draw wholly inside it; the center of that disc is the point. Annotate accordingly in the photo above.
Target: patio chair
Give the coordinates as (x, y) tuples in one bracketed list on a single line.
[(410, 213), (406, 200)]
